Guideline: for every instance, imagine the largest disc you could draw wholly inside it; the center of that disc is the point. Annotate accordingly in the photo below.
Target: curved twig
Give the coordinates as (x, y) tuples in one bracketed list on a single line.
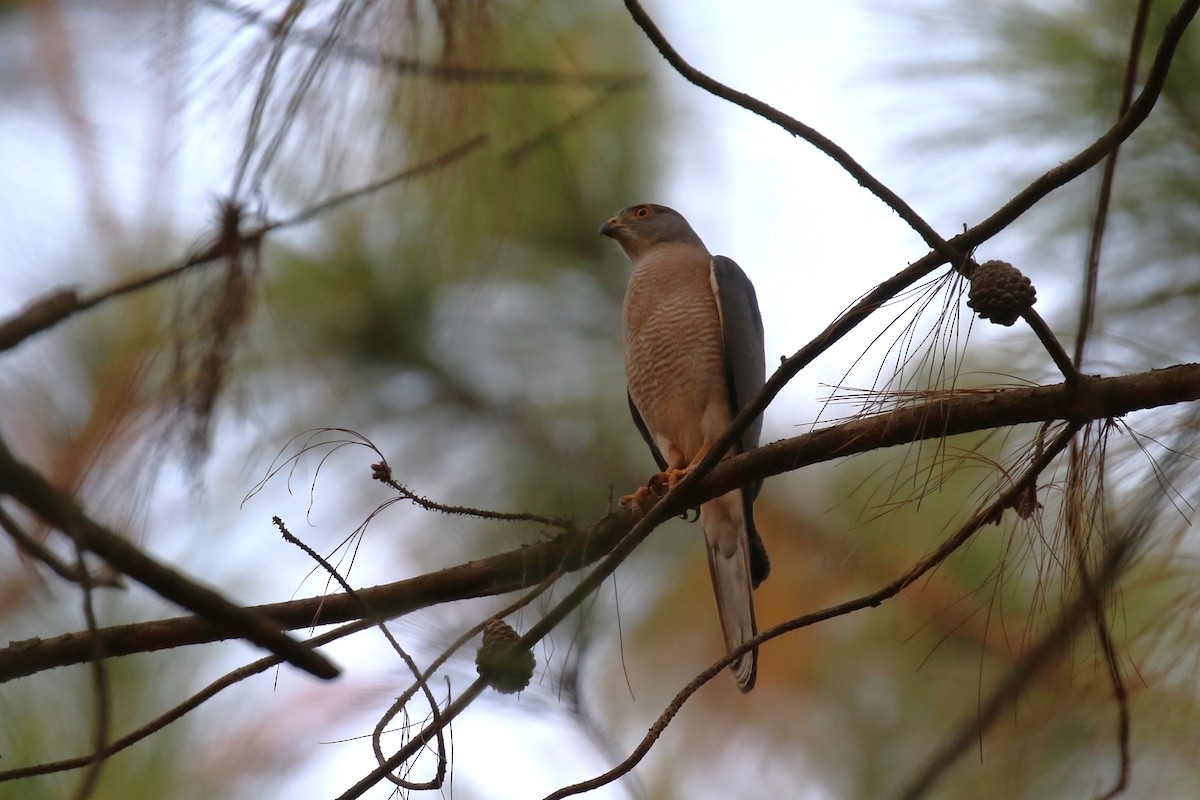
[(1091, 269), (435, 665), (101, 689), (796, 128), (421, 683)]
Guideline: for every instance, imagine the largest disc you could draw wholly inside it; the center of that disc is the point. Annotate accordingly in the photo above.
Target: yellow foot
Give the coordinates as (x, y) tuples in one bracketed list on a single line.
[(673, 475)]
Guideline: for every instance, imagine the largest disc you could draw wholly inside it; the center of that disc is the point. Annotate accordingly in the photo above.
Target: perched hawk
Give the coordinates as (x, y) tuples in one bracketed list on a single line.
[(693, 358)]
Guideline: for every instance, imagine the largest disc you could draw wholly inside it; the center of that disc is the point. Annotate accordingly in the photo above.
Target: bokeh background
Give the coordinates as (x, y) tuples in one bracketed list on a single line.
[(466, 321)]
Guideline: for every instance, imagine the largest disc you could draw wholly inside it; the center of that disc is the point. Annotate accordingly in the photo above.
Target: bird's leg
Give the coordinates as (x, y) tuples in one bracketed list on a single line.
[(658, 484), (662, 482)]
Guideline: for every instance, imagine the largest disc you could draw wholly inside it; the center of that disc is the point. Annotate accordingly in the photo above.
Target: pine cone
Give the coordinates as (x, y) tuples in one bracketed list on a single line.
[(506, 667), (1000, 293)]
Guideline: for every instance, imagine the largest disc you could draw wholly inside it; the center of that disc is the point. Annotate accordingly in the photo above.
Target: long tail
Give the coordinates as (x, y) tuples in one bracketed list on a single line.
[(728, 543)]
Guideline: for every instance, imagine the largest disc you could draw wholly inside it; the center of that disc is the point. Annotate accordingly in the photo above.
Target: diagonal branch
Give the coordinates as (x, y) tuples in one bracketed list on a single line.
[(22, 483)]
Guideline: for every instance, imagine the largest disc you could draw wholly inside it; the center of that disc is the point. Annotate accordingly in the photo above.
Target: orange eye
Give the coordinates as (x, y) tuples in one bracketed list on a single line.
[(643, 212)]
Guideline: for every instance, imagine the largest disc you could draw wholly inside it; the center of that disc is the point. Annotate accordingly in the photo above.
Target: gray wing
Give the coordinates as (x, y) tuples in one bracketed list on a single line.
[(745, 374), (745, 359), (645, 432)]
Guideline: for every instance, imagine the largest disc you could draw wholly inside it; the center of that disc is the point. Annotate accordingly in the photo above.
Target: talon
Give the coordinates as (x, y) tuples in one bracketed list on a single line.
[(635, 500)]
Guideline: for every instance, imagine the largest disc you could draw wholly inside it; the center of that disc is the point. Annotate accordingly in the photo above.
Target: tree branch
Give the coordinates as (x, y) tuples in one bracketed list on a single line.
[(22, 483), (1091, 267), (958, 412)]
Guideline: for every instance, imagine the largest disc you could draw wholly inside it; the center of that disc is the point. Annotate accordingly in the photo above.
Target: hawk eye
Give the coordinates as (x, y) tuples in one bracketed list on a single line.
[(643, 212)]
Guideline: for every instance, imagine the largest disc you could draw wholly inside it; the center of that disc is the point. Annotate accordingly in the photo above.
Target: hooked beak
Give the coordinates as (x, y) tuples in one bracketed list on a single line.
[(610, 228)]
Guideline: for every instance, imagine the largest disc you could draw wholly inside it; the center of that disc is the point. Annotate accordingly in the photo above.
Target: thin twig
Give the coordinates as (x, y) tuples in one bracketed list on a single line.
[(1066, 366), (477, 513), (1078, 472), (101, 690), (1121, 697), (449, 714), (514, 155), (440, 776), (466, 636), (36, 550), (430, 165), (450, 73), (1091, 270)]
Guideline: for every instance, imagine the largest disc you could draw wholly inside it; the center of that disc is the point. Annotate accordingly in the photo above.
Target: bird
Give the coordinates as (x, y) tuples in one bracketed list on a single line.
[(694, 357)]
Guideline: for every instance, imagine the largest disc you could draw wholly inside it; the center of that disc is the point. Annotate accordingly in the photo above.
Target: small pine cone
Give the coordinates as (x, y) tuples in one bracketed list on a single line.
[(999, 292), (506, 667)]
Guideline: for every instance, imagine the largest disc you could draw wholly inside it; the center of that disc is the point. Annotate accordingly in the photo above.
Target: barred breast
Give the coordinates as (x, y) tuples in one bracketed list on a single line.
[(674, 351)]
